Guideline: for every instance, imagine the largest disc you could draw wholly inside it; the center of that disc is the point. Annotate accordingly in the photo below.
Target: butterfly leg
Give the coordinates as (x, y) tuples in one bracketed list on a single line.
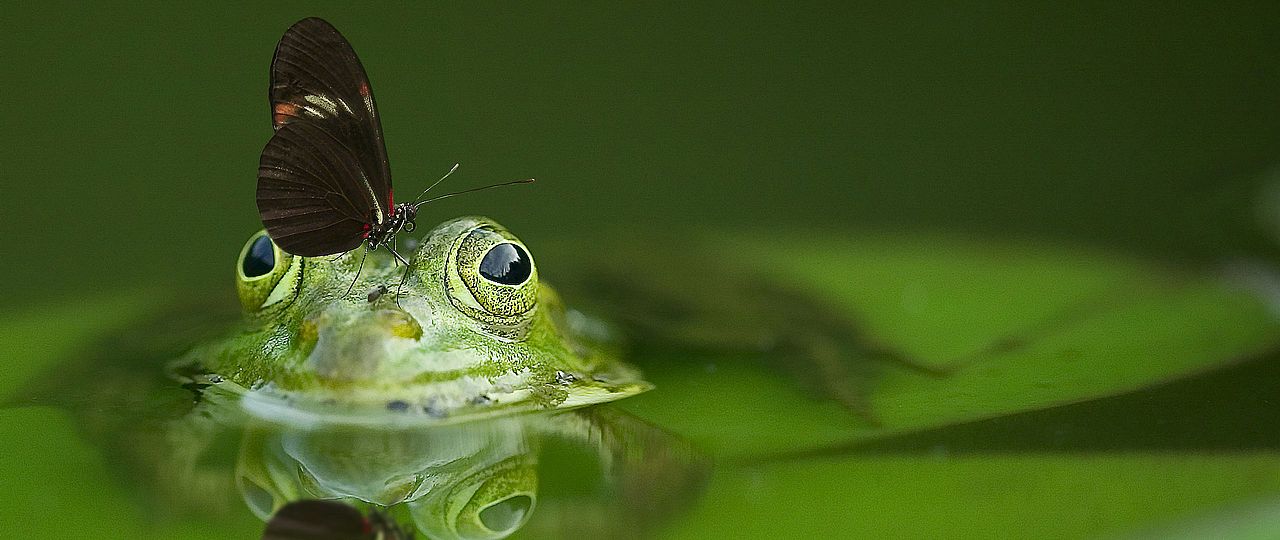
[(397, 255), (403, 277), (359, 269)]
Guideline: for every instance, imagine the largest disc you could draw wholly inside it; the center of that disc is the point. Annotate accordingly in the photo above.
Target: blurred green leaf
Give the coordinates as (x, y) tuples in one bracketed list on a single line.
[(1249, 520), (51, 333), (1025, 326), (1044, 496), (57, 485)]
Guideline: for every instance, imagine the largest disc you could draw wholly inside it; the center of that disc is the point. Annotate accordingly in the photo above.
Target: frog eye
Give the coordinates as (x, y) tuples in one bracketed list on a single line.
[(259, 258), (494, 502), (265, 275), (493, 277), (506, 264)]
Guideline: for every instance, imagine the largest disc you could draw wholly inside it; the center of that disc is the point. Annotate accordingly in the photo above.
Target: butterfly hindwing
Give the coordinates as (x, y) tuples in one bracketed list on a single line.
[(317, 520), (303, 194)]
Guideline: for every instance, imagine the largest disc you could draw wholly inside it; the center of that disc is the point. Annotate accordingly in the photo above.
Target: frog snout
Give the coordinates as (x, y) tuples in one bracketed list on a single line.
[(356, 346)]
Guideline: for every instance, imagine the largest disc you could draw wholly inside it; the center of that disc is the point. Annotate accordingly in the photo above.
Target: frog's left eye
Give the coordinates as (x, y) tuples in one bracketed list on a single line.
[(259, 258), (265, 275), (493, 278)]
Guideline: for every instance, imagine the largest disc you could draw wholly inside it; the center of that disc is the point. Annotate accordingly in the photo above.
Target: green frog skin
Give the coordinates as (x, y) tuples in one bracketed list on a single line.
[(354, 338)]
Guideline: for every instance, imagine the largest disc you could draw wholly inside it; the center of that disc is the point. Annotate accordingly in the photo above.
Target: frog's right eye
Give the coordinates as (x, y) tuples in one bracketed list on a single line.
[(265, 275)]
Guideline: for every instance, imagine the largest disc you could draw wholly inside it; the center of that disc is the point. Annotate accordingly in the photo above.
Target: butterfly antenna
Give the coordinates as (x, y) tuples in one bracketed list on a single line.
[(437, 182), (490, 186)]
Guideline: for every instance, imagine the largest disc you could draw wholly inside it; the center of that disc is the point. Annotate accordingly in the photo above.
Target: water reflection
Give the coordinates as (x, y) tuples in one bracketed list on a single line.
[(463, 481), (481, 479), (596, 471)]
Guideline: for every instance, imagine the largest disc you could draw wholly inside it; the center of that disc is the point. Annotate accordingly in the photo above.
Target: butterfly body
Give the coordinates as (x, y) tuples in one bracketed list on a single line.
[(402, 218)]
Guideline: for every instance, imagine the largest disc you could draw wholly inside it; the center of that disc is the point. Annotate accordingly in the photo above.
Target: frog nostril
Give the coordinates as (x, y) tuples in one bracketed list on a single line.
[(400, 324)]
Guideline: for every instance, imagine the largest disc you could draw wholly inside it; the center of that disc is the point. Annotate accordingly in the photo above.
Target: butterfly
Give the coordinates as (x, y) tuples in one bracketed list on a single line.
[(324, 181), (331, 520)]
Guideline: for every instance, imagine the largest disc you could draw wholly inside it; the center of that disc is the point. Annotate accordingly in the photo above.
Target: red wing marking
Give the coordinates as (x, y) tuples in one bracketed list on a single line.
[(283, 111)]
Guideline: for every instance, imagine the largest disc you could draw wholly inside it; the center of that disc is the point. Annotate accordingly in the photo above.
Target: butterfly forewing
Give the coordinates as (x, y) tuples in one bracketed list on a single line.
[(326, 165)]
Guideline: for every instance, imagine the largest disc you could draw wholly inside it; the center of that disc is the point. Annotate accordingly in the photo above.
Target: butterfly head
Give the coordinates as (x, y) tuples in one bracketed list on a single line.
[(410, 213)]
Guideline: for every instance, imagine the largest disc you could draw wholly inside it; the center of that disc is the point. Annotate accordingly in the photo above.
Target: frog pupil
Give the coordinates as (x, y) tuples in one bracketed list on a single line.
[(507, 264), (260, 259)]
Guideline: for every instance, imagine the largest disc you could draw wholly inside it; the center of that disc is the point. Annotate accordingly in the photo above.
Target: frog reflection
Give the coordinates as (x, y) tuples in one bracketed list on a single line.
[(457, 481), (473, 480)]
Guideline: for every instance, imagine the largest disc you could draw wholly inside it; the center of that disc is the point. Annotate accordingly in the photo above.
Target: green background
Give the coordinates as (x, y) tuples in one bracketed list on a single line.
[(132, 130), (132, 135)]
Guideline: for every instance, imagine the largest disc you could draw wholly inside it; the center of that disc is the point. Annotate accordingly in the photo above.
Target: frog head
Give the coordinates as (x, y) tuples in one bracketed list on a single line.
[(466, 328)]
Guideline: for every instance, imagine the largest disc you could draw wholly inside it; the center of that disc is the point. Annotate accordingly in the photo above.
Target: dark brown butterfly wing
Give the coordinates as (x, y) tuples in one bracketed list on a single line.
[(317, 520), (321, 102), (302, 197)]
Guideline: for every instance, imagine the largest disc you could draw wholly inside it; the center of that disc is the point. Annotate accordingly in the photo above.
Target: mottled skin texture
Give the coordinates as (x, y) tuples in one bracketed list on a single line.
[(446, 343)]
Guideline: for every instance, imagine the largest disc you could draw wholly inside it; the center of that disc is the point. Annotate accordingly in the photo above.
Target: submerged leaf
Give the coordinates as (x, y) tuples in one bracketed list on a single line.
[(1044, 496), (1017, 327)]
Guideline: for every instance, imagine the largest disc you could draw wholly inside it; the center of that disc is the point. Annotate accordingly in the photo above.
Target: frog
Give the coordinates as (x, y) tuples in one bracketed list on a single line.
[(466, 339), (465, 330)]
